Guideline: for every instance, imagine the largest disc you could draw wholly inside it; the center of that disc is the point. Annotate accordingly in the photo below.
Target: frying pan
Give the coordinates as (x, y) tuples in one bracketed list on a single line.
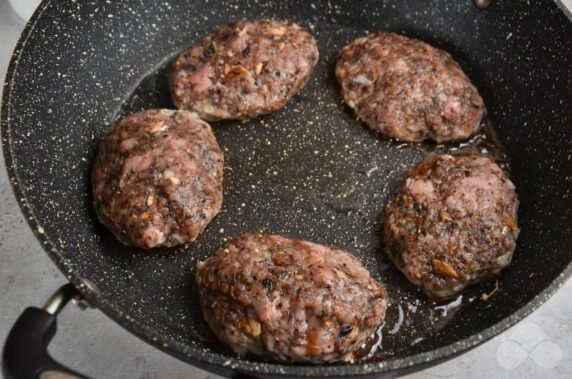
[(309, 171)]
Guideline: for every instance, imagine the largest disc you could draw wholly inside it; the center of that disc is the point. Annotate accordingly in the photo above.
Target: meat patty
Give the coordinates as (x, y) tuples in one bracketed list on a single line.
[(243, 70), (408, 89), (157, 178), (289, 300), (454, 223)]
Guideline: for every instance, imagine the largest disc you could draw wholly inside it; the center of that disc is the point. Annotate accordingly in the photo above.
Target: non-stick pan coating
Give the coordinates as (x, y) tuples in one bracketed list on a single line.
[(309, 171)]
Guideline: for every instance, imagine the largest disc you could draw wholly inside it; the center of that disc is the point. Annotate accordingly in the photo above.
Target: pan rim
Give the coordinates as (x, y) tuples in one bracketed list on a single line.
[(195, 356)]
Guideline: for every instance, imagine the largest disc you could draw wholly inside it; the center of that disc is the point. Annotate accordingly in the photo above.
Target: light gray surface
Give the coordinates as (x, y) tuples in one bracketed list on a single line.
[(539, 346)]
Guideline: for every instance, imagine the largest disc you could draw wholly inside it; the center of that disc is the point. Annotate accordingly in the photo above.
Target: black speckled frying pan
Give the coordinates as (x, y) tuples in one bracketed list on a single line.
[(308, 171)]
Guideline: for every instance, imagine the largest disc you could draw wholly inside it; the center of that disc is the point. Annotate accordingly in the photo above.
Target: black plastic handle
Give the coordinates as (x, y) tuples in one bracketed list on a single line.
[(25, 354)]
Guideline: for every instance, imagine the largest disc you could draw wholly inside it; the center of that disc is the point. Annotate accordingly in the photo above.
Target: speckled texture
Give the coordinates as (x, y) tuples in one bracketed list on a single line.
[(529, 89), (157, 178), (407, 89), (289, 300), (243, 70), (453, 224)]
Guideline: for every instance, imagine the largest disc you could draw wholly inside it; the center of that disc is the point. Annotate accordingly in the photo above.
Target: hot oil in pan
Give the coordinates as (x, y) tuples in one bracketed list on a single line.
[(411, 319), (486, 142), (311, 171)]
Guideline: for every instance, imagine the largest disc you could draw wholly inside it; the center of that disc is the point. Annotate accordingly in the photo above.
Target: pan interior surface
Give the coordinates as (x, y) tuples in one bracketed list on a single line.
[(309, 171)]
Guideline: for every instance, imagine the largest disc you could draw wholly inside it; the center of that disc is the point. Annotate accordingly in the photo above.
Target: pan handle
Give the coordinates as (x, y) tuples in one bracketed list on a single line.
[(25, 354)]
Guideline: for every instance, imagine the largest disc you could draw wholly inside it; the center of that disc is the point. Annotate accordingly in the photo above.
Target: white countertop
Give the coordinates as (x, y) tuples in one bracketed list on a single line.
[(91, 343)]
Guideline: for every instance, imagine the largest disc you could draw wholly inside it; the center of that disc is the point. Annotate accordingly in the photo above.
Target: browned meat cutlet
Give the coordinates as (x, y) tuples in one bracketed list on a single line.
[(407, 89), (293, 301), (454, 224), (243, 70), (157, 178)]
